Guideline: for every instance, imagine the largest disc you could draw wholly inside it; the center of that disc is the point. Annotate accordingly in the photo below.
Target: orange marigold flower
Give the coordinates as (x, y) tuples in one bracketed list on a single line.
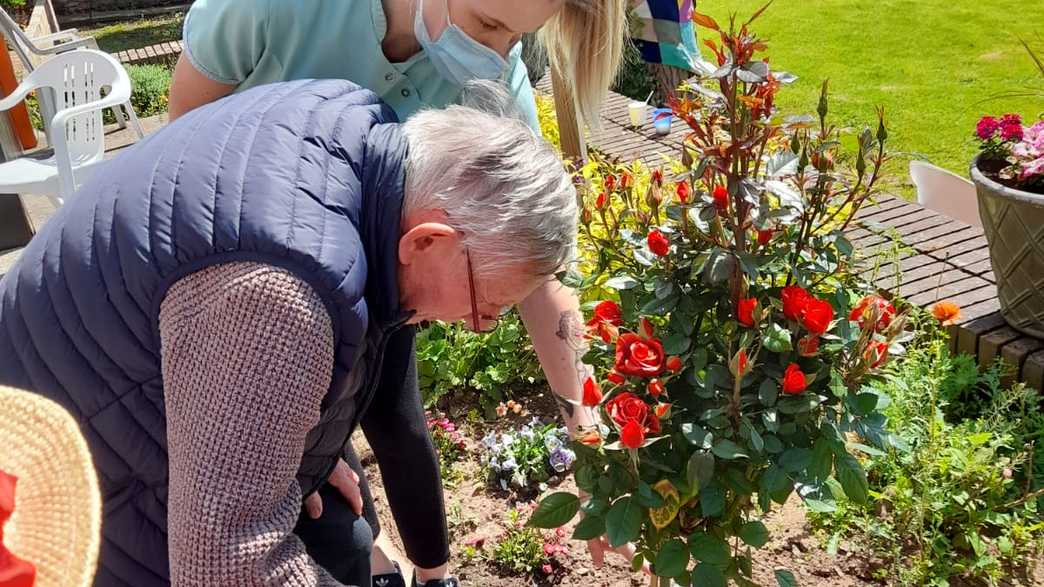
[(946, 312)]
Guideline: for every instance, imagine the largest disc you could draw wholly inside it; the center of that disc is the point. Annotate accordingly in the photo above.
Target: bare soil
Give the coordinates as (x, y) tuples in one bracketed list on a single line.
[(477, 515)]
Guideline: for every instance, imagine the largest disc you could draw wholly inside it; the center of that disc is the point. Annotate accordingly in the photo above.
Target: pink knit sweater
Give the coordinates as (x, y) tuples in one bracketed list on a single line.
[(247, 354)]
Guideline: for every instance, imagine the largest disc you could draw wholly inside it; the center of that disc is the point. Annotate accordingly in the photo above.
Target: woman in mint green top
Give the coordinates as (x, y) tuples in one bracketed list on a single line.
[(416, 54), (254, 42)]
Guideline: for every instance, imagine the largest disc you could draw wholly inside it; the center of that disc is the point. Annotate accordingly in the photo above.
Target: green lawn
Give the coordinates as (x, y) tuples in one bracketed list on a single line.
[(135, 34), (932, 64)]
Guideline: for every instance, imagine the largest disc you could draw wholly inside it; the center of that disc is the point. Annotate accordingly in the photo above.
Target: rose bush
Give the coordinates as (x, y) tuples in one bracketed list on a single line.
[(731, 356)]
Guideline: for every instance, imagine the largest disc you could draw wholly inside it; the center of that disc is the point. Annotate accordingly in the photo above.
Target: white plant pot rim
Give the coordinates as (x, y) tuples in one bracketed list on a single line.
[(998, 188)]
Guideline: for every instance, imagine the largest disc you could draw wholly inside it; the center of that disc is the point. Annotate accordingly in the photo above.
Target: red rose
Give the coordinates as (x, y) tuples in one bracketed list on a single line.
[(793, 380), (632, 435), (818, 315), (657, 176), (615, 377), (745, 311), (607, 312), (764, 236), (662, 410), (808, 346), (627, 407), (740, 365), (721, 199), (682, 191), (642, 357), (795, 299), (674, 364), (610, 182), (658, 243), (655, 387), (592, 392), (600, 201), (869, 307), (876, 353)]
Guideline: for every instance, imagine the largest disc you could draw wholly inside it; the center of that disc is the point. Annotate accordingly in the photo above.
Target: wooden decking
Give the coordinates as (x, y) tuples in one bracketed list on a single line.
[(906, 249)]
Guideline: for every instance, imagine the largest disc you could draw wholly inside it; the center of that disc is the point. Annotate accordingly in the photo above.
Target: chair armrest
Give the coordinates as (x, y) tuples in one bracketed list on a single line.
[(63, 47), (17, 95)]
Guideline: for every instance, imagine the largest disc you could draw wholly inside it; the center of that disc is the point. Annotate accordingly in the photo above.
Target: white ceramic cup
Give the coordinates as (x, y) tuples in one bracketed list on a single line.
[(636, 110)]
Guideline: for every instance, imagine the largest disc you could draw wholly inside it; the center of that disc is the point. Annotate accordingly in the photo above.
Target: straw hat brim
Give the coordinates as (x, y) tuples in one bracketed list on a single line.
[(57, 517)]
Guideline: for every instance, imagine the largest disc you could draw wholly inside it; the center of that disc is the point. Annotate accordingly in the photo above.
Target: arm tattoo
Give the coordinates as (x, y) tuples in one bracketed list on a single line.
[(571, 330)]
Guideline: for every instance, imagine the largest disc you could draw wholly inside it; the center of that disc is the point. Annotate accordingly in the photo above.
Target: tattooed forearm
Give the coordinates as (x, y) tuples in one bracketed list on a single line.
[(571, 331)]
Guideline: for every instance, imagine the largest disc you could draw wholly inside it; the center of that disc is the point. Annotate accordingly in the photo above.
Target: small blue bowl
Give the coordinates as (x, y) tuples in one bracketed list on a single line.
[(661, 119)]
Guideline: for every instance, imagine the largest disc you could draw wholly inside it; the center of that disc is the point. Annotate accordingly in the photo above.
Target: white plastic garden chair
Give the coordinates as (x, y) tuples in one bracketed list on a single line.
[(56, 44), (945, 192), (78, 79)]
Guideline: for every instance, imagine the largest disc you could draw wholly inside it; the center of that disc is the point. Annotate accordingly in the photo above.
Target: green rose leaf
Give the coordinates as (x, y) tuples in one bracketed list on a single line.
[(647, 497), (589, 528), (676, 343), (708, 548), (720, 266), (697, 435), (712, 501), (754, 533), (795, 460), (672, 559), (822, 461), (785, 578), (620, 283), (777, 339), (853, 479), (555, 510), (623, 523), (700, 470), (707, 575), (726, 449), (768, 392)]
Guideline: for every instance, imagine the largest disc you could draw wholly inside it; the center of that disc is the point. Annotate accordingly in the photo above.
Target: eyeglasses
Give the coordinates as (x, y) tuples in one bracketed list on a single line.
[(476, 318)]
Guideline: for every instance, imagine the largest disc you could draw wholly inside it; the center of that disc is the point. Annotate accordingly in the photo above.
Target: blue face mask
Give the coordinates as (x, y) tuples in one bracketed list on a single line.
[(457, 57)]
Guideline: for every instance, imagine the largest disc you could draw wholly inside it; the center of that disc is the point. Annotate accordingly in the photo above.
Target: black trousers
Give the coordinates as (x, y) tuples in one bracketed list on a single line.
[(397, 431)]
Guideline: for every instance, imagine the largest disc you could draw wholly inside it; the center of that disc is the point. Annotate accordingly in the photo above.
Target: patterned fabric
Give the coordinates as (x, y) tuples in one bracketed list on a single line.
[(306, 176), (663, 32)]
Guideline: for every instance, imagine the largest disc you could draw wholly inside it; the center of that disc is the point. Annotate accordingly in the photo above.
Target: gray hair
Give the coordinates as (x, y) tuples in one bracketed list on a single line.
[(498, 182)]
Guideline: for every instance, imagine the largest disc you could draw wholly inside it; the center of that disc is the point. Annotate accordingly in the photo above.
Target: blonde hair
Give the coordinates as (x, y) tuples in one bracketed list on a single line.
[(585, 41)]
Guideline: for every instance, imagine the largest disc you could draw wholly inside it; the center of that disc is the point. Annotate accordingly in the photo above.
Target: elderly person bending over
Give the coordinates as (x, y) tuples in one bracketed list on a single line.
[(214, 307)]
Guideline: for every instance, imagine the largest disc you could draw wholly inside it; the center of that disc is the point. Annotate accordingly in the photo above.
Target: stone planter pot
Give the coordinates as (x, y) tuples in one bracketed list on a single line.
[(1014, 224)]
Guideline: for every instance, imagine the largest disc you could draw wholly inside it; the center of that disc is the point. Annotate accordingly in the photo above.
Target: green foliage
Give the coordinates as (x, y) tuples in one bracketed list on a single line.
[(524, 549), (730, 372), (449, 444), (12, 4), (451, 357), (959, 504), (633, 79)]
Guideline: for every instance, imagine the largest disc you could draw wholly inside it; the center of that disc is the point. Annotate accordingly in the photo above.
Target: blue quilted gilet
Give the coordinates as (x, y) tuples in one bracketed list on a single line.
[(303, 175)]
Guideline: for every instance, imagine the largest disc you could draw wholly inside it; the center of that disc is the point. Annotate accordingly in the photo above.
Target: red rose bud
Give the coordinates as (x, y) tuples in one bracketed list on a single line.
[(615, 377), (674, 364), (638, 356), (764, 236), (655, 388), (632, 435), (658, 243), (607, 312), (870, 307), (876, 353), (601, 201), (625, 181), (795, 300), (682, 191), (591, 439), (818, 315), (610, 182), (647, 327), (794, 380), (808, 346), (745, 311), (662, 410), (740, 365), (657, 177), (721, 199), (592, 393)]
